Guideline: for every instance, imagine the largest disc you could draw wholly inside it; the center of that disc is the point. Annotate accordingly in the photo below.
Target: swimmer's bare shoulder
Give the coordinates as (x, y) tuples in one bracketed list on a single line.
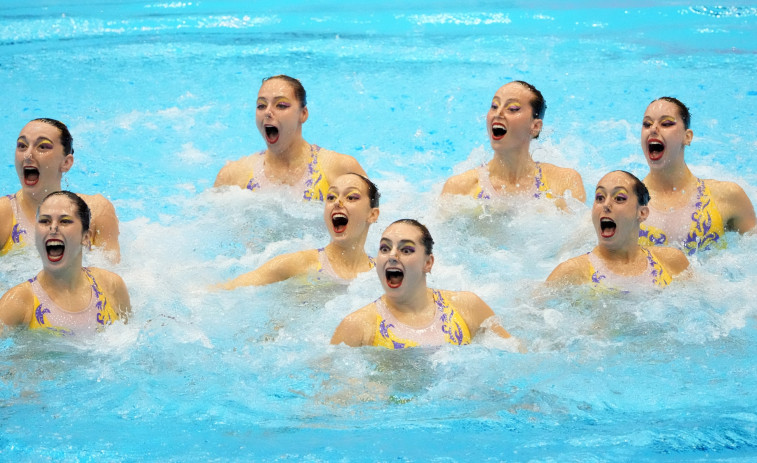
[(574, 271), (115, 290), (6, 219), (474, 311), (465, 184), (279, 268), (357, 328), (672, 259), (17, 305), (562, 179), (735, 207), (236, 173), (335, 164), (104, 224)]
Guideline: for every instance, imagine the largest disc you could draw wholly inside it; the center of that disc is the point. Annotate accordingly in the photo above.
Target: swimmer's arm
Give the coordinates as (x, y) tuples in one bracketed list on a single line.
[(740, 214), (277, 269), (233, 173), (575, 184), (6, 220), (674, 260), (571, 272), (356, 328), (479, 316), (16, 306), (464, 184), (115, 290), (105, 227), (345, 164)]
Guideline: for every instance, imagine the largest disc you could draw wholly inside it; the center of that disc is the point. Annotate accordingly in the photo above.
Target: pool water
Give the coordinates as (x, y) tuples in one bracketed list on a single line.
[(158, 95)]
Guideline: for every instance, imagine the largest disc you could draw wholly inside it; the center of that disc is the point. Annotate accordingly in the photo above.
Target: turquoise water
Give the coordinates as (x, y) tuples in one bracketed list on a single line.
[(158, 95)]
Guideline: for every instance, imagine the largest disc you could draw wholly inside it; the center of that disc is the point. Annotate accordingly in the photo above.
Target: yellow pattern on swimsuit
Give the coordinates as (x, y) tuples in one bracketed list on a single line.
[(314, 184), (486, 190)]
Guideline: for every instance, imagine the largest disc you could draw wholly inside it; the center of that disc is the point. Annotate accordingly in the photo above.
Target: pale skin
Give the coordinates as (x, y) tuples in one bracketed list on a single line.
[(39, 146), (347, 197), (615, 201), (412, 301), (670, 181), (511, 170), (63, 279), (287, 154)]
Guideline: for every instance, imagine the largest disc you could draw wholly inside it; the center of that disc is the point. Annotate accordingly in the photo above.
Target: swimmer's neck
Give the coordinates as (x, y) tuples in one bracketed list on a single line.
[(675, 179), (62, 282), (622, 256), (413, 303), (285, 157), (512, 166), (350, 257), (29, 203)]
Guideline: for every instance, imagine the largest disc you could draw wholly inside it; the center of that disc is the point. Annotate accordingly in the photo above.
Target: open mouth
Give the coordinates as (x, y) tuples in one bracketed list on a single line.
[(271, 134), (394, 277), (607, 227), (31, 175), (498, 131), (655, 149), (339, 221), (55, 249)]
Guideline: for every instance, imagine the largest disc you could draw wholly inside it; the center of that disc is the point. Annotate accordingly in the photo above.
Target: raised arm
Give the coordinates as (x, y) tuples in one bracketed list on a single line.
[(277, 269)]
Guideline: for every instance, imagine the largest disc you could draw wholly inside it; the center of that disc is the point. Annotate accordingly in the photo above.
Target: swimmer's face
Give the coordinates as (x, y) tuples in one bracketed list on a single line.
[(510, 120), (616, 213), (663, 135), (402, 263), (59, 233), (40, 159), (347, 210), (279, 115)]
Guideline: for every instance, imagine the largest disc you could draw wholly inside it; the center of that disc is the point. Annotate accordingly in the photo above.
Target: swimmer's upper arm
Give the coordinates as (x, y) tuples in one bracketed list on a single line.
[(575, 184), (6, 220), (571, 272), (475, 312), (116, 291), (104, 225), (337, 164), (16, 305), (277, 269), (356, 328), (674, 260), (232, 174), (734, 202), (462, 184)]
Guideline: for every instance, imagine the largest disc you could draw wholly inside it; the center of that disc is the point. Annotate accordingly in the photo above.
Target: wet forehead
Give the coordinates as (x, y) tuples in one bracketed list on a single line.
[(38, 129), (616, 180), (402, 232), (57, 206), (662, 108), (513, 91), (349, 181), (276, 88)]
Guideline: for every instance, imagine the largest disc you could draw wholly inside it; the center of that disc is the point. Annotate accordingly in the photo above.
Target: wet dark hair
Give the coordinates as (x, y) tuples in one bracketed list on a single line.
[(373, 192), (82, 209), (538, 105), (682, 109), (299, 90), (65, 136), (426, 240), (641, 191)]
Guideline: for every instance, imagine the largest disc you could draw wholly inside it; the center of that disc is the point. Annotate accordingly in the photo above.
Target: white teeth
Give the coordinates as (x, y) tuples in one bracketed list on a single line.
[(498, 126), (54, 243), (339, 214)]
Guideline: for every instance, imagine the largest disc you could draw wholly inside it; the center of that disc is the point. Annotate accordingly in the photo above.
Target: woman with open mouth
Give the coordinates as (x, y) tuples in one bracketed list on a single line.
[(514, 119), (65, 298), (44, 152), (288, 161), (350, 208), (618, 261), (685, 211), (411, 314)]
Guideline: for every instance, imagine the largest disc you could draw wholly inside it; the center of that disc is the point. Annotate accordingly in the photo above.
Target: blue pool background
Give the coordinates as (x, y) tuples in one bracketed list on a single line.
[(158, 95)]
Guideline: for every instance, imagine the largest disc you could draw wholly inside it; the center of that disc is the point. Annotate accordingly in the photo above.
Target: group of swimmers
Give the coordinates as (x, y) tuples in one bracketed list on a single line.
[(645, 230)]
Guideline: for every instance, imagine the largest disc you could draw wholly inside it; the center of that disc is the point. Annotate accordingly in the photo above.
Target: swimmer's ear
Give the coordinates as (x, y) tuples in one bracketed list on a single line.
[(429, 264), (374, 215), (643, 213), (68, 161), (687, 137), (536, 128), (86, 240), (304, 115)]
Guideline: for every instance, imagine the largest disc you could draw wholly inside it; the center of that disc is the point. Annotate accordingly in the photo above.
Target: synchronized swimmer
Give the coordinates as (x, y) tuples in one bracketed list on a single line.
[(44, 152), (634, 221)]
